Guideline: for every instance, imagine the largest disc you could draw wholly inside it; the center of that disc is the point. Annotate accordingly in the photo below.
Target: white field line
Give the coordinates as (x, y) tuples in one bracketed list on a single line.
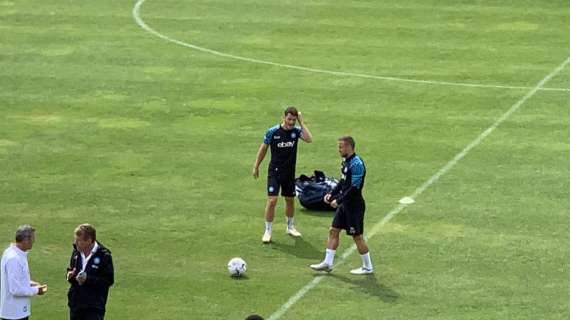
[(433, 179), (142, 24)]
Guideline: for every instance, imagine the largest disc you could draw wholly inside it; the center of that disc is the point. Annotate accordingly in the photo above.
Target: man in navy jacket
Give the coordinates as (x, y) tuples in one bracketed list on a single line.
[(90, 274)]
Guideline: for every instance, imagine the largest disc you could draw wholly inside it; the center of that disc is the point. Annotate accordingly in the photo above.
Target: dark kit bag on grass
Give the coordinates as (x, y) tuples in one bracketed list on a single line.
[(312, 190)]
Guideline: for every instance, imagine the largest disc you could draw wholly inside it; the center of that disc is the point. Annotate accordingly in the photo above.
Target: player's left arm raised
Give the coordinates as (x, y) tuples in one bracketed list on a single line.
[(307, 136)]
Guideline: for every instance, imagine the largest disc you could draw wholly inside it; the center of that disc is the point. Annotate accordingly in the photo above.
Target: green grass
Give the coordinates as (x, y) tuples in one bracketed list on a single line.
[(153, 143)]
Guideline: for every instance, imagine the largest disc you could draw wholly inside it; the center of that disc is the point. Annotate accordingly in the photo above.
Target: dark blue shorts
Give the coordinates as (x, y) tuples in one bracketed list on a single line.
[(349, 216), (283, 182)]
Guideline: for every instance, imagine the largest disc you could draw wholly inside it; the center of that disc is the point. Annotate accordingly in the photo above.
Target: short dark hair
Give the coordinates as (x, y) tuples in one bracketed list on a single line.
[(291, 110), (254, 317), (86, 231), (24, 232), (349, 140)]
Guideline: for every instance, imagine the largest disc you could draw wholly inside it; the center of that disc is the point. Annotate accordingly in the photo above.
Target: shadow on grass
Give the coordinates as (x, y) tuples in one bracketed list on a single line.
[(315, 213), (370, 285), (300, 249), (240, 278)]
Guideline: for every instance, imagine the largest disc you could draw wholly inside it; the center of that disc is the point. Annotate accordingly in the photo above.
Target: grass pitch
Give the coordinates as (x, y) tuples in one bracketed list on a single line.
[(153, 143)]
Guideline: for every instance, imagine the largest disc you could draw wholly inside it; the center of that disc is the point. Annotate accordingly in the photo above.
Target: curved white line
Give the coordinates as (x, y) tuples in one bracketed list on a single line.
[(142, 24)]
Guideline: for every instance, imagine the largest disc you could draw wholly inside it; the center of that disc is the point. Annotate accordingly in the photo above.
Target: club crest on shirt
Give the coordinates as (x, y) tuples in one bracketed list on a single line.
[(96, 260), (293, 135)]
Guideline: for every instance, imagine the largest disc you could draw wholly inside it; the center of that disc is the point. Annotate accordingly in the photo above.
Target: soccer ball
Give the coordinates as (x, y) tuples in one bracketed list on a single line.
[(236, 267)]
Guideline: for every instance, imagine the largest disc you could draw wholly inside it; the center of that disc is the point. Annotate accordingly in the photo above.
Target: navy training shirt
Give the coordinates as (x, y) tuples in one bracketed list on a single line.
[(350, 187), (283, 145)]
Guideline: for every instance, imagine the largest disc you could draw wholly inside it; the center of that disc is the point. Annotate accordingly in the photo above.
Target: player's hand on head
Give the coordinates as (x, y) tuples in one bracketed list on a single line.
[(300, 117)]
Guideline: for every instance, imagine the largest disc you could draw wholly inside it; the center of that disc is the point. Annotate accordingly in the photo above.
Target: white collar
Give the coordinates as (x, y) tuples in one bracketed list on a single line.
[(19, 251), (95, 247), (85, 259)]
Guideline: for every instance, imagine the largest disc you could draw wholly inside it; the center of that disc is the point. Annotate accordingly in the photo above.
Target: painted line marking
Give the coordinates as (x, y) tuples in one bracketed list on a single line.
[(146, 27)]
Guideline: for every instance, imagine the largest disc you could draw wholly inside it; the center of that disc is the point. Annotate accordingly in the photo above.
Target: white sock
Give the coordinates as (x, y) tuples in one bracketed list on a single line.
[(366, 263), (329, 256), (289, 222), (268, 226)]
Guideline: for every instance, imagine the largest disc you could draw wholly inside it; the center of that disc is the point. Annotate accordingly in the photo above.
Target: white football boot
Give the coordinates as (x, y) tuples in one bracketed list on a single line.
[(323, 266), (293, 232), (266, 237), (361, 270)]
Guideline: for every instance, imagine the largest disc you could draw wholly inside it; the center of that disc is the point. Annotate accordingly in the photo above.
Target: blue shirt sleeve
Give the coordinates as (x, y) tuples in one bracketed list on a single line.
[(357, 170), (269, 135)]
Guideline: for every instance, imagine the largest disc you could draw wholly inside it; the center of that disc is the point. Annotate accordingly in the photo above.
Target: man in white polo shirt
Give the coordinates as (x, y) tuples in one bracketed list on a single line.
[(16, 288)]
